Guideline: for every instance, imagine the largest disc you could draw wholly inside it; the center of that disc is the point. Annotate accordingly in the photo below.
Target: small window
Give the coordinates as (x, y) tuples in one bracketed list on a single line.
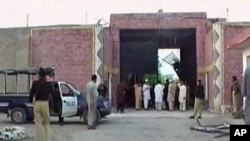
[(66, 91)]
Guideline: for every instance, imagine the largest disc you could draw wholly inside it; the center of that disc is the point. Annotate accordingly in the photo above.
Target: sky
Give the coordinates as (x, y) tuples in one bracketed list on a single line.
[(13, 13), (167, 68)]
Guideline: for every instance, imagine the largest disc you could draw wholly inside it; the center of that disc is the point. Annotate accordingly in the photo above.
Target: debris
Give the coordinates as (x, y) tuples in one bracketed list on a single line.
[(12, 133), (213, 129)]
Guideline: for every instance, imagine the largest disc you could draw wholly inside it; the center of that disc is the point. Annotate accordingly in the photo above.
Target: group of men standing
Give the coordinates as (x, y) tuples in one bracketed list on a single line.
[(171, 95)]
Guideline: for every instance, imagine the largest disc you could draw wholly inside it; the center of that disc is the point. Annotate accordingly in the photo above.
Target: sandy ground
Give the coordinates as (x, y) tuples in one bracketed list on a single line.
[(132, 126)]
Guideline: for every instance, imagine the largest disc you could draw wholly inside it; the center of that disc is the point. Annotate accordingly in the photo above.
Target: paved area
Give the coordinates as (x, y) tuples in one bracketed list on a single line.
[(133, 126)]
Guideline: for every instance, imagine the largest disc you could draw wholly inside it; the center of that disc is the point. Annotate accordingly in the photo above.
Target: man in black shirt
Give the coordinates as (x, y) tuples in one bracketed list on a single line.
[(39, 96), (198, 103)]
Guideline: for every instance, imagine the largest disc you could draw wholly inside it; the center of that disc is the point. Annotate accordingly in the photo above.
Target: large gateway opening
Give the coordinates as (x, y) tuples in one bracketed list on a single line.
[(143, 54)]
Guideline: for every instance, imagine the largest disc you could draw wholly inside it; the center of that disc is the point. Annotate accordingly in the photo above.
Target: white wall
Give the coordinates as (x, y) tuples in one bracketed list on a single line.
[(245, 53)]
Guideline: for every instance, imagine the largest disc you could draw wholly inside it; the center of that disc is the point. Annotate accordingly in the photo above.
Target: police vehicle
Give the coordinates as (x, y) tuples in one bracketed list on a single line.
[(73, 102)]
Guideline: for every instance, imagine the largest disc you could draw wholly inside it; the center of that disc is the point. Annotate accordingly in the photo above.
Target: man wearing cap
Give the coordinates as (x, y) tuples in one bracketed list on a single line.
[(146, 94), (198, 102)]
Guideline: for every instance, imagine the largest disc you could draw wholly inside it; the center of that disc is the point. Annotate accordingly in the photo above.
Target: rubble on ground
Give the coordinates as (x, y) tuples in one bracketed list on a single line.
[(12, 133)]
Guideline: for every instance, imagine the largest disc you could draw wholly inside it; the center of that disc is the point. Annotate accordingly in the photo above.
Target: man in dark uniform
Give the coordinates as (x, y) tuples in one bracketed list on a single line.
[(39, 96), (198, 103)]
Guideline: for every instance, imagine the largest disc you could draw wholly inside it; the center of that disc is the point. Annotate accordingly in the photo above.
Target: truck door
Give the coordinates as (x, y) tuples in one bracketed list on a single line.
[(69, 100)]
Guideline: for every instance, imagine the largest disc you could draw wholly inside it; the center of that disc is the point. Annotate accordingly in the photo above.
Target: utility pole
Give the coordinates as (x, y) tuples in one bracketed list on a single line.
[(86, 18), (227, 14), (27, 22)]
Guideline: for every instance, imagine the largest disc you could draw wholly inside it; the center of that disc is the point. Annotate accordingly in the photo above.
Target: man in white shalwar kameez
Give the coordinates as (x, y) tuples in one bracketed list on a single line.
[(182, 96), (146, 94), (158, 96)]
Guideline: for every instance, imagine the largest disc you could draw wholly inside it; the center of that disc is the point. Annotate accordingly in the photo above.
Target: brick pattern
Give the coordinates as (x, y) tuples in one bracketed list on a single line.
[(209, 60), (69, 50), (157, 21), (233, 60)]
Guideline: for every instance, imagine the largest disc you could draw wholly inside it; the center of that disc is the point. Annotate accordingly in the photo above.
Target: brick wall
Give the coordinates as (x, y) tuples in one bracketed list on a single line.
[(163, 21), (69, 50), (209, 60), (107, 52), (232, 60), (14, 54)]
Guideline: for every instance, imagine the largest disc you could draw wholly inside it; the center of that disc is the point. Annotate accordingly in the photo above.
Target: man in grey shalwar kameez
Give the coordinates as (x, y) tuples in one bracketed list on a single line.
[(246, 94), (91, 96)]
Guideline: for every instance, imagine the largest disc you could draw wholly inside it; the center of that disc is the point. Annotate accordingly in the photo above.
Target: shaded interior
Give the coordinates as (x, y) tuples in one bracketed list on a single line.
[(139, 55)]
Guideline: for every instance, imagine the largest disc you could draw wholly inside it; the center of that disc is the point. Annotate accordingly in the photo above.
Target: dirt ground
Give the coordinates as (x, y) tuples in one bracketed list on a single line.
[(132, 126)]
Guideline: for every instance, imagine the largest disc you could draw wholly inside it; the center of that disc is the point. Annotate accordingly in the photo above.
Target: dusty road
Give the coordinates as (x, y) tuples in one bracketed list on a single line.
[(132, 126)]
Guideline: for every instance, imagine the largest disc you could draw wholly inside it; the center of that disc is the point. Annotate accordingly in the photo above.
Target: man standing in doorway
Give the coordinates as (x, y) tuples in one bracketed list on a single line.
[(158, 96), (165, 97), (91, 100), (146, 94), (182, 96), (198, 103), (171, 95), (246, 94), (138, 95)]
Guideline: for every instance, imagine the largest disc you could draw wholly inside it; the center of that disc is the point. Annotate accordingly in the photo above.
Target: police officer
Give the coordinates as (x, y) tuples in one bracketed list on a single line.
[(39, 96)]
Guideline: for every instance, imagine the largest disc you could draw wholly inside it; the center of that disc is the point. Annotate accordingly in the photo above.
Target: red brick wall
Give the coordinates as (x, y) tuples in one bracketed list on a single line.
[(107, 51), (209, 59), (164, 21), (232, 60), (209, 56), (69, 50)]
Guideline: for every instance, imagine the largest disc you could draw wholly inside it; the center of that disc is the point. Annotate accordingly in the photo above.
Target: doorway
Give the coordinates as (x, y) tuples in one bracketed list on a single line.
[(139, 56)]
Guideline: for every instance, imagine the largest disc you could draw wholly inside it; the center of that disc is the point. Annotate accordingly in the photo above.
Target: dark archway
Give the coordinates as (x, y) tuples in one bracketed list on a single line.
[(139, 54)]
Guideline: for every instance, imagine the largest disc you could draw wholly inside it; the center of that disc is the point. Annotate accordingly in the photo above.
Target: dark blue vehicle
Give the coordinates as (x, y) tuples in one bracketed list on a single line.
[(72, 103)]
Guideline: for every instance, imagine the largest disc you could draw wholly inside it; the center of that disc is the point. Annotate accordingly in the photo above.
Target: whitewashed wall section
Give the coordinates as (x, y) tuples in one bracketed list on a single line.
[(218, 46), (98, 52)]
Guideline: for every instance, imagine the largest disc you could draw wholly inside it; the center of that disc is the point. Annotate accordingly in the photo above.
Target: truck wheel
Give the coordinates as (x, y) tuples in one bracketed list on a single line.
[(18, 115), (85, 117)]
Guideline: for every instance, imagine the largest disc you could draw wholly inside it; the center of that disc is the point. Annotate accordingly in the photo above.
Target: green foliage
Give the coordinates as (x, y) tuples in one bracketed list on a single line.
[(152, 78)]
